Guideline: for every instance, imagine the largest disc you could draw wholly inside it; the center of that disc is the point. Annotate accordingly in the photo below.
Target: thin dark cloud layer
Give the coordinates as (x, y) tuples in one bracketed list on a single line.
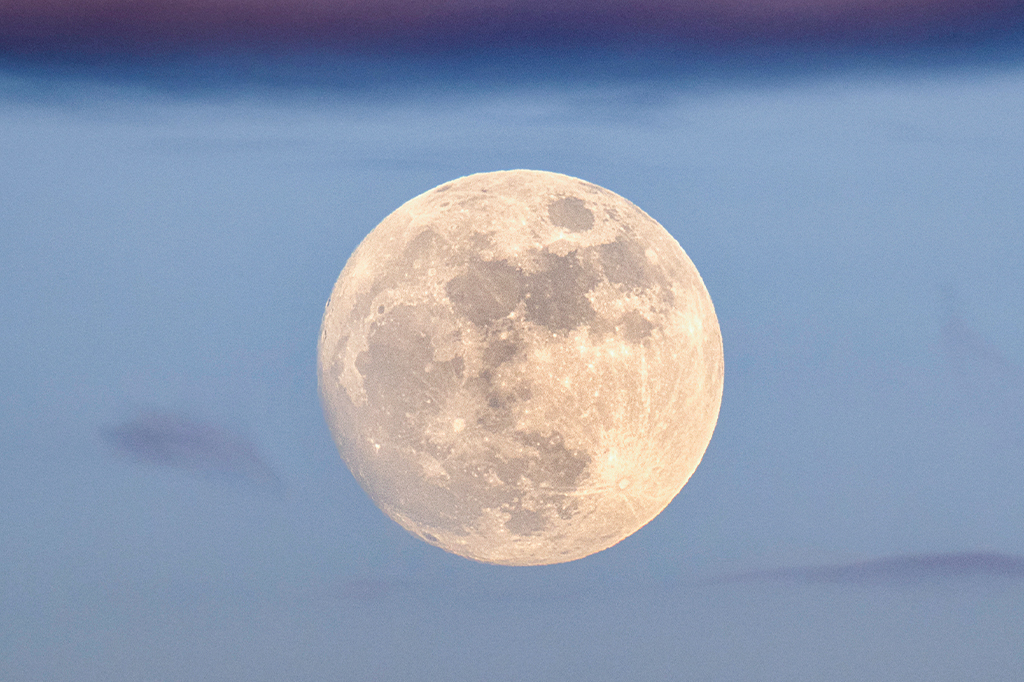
[(897, 570), (384, 26), (172, 440)]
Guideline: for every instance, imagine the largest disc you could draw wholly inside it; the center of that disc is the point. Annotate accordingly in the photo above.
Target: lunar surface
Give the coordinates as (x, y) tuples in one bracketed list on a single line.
[(520, 367)]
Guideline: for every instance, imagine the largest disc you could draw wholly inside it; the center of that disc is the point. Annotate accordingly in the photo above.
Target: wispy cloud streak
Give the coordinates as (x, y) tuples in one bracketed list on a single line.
[(895, 570), (172, 440)]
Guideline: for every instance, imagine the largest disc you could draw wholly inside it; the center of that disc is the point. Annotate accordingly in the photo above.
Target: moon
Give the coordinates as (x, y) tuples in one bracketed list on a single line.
[(520, 367)]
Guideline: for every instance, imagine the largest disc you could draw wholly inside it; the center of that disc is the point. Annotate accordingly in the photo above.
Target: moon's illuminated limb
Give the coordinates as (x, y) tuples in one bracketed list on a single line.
[(521, 367)]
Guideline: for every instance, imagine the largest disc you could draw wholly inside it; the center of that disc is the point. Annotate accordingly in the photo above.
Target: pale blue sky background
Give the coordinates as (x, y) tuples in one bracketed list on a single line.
[(173, 250)]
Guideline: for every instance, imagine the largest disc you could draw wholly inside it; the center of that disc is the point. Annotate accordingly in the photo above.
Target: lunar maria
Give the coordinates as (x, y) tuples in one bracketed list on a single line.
[(520, 367)]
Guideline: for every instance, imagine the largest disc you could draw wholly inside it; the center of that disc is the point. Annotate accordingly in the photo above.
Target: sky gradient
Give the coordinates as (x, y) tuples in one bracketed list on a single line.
[(170, 240)]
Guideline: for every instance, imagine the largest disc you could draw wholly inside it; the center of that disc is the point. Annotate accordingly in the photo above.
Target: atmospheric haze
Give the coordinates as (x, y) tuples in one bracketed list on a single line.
[(172, 221)]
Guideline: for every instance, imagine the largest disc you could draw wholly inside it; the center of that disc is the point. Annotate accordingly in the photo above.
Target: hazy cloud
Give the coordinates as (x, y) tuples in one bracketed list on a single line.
[(174, 440)]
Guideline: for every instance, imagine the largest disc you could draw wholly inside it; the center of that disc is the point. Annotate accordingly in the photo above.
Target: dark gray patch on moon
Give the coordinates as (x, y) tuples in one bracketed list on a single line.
[(486, 292), (499, 415), (571, 213), (544, 470), (404, 385), (634, 327), (424, 248), (503, 345), (557, 467), (556, 295), (625, 263), (499, 401), (525, 522)]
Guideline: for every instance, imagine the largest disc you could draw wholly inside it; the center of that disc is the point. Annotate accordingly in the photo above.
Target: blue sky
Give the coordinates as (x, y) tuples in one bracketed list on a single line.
[(171, 249)]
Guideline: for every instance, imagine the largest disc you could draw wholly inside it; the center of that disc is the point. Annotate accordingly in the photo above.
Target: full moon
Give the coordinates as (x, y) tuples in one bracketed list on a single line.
[(520, 367)]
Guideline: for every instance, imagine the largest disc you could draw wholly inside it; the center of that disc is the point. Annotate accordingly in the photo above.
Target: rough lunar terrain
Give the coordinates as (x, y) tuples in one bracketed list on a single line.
[(521, 367)]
